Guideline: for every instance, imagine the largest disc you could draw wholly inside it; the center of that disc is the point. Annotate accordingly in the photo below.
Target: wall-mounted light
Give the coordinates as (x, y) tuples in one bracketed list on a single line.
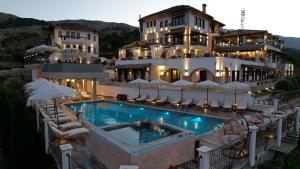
[(161, 72), (186, 72)]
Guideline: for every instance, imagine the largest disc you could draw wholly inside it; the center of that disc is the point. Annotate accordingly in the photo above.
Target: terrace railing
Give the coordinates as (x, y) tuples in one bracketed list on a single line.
[(73, 164), (194, 164), (218, 159)]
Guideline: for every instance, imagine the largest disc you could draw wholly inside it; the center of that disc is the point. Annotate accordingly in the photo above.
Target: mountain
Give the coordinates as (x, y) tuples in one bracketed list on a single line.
[(292, 42)]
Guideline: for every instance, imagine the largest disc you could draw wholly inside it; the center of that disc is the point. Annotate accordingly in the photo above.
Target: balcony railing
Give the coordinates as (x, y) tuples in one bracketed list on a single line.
[(72, 68)]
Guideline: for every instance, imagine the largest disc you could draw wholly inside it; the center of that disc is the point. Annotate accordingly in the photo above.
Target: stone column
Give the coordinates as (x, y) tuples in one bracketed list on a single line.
[(252, 145), (204, 157), (279, 130), (46, 135), (94, 89), (297, 124), (65, 152)]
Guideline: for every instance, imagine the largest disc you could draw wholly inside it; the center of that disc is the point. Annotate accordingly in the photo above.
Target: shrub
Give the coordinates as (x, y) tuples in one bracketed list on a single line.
[(285, 84)]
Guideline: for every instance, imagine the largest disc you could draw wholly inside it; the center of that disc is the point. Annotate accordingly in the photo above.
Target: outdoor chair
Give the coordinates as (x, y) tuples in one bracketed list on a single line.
[(187, 102), (66, 126), (85, 96), (132, 98), (214, 104), (151, 99), (142, 98), (200, 103), (70, 134), (175, 102), (162, 100)]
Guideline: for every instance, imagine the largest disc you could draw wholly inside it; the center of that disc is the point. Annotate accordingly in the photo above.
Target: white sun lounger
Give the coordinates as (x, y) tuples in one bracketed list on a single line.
[(187, 102), (67, 125), (85, 95), (162, 100), (175, 102), (132, 98), (151, 99), (227, 104), (73, 133), (200, 103), (214, 103), (142, 98)]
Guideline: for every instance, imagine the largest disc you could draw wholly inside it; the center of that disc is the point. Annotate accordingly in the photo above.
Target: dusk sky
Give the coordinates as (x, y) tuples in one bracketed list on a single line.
[(277, 16)]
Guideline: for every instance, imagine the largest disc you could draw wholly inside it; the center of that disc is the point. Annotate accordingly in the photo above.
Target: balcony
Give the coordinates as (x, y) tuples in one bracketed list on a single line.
[(72, 71)]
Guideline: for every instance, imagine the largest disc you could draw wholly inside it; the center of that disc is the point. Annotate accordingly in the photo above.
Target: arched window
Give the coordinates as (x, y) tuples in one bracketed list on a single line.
[(77, 35)]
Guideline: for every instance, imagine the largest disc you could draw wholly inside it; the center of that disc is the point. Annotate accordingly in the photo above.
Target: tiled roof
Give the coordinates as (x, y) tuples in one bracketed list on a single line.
[(73, 26), (178, 8)]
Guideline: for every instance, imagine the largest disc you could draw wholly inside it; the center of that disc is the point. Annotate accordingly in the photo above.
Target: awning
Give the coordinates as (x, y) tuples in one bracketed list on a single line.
[(133, 66), (247, 47)]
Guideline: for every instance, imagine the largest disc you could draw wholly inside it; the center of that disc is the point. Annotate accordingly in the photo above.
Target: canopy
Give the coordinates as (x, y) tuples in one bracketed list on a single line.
[(158, 82), (37, 84), (139, 82), (181, 84), (51, 92), (207, 84), (236, 86), (40, 48)]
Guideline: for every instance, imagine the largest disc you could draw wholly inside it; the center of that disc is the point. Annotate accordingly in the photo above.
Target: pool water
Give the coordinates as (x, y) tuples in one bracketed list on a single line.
[(102, 113), (141, 132)]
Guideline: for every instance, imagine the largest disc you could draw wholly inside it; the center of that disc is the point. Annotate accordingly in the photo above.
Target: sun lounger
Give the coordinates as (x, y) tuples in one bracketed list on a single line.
[(132, 98), (67, 126), (76, 96), (142, 98), (175, 102), (162, 100), (85, 96), (214, 103), (73, 133), (227, 104), (242, 105), (60, 119), (200, 103), (151, 99), (187, 102)]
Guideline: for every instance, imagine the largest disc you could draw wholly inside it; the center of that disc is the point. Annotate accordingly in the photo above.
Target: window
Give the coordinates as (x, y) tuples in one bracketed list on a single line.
[(95, 52), (147, 24), (77, 35), (200, 22), (179, 20), (95, 38), (89, 36), (59, 34), (203, 23), (68, 34), (73, 35), (68, 46), (161, 24), (161, 40), (79, 47), (166, 23), (150, 23), (196, 21), (74, 46), (89, 49), (154, 23)]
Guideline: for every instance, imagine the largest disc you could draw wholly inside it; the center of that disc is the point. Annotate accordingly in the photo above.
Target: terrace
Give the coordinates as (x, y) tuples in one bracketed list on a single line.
[(242, 136)]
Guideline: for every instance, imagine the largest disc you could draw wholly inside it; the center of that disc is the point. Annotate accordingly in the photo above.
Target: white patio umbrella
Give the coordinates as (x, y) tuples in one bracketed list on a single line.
[(34, 85), (236, 86), (40, 48), (208, 84), (54, 91), (139, 82), (182, 84), (158, 82)]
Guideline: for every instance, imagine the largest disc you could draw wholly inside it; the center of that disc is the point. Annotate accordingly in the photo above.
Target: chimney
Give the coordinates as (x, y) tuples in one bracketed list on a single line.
[(140, 16), (204, 8)]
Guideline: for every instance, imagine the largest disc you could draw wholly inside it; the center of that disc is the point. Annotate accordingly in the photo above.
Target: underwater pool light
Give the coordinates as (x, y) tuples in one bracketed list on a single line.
[(141, 108), (166, 113)]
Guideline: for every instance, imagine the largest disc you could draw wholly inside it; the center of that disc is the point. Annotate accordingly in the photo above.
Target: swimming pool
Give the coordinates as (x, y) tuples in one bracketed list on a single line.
[(102, 113)]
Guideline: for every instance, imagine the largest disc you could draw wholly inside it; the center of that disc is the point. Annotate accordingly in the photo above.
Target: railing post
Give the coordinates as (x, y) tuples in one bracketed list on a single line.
[(297, 119), (279, 130), (276, 103), (46, 136), (65, 152), (37, 120), (204, 157), (252, 145), (94, 89)]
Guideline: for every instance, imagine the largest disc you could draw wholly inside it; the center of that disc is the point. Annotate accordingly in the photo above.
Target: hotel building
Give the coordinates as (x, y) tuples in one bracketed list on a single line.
[(183, 42), (78, 44)]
